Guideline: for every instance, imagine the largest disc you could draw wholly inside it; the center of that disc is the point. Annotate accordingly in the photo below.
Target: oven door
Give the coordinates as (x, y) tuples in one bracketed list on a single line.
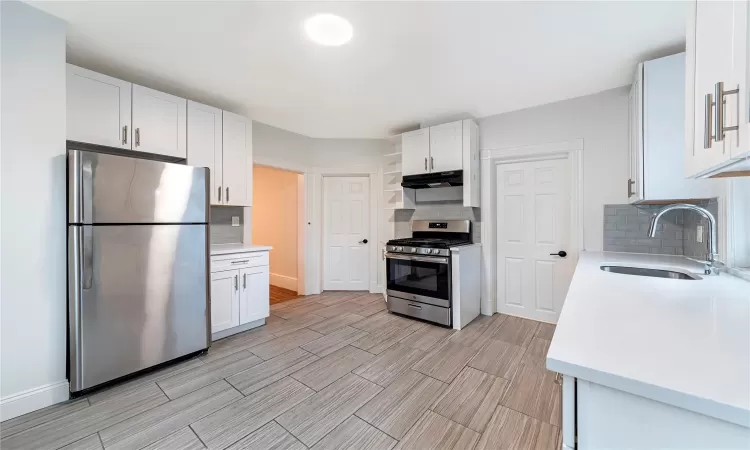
[(422, 278)]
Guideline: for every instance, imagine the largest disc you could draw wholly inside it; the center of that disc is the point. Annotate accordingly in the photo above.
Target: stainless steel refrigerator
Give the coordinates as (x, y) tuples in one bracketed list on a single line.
[(138, 265)]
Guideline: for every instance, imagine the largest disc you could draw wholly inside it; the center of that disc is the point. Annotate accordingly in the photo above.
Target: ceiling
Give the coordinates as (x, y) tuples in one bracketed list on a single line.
[(408, 63)]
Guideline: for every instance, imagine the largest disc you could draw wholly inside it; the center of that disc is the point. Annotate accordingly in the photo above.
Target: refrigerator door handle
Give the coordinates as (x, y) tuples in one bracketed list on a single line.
[(86, 192), (88, 256), (75, 249)]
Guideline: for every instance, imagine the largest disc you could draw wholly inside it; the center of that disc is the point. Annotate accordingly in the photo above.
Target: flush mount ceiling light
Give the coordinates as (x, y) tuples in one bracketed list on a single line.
[(328, 29)]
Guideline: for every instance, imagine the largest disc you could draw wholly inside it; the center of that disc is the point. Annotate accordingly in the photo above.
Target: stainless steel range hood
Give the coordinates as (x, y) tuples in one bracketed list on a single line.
[(434, 180)]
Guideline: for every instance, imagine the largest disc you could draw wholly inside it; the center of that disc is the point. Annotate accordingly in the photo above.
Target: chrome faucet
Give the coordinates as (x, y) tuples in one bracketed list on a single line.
[(711, 261)]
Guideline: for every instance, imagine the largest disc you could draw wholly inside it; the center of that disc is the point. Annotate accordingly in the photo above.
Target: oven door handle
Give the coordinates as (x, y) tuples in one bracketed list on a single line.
[(417, 258)]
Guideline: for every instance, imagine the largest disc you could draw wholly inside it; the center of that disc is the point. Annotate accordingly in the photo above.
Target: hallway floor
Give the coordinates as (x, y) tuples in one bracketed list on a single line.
[(330, 371), (280, 295)]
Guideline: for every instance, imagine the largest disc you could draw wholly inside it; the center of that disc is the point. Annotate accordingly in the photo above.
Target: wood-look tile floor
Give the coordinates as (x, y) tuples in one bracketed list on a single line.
[(329, 371)]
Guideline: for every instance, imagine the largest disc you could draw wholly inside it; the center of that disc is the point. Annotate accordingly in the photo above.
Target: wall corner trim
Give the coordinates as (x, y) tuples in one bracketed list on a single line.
[(33, 399)]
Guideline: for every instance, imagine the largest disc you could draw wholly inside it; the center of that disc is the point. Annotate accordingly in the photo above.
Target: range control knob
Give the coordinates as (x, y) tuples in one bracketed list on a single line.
[(399, 249), (435, 251), (413, 250)]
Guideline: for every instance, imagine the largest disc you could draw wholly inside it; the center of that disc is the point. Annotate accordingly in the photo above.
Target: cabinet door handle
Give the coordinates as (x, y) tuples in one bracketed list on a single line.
[(432, 163), (219, 194), (630, 190), (707, 133), (227, 194), (124, 135), (244, 281), (236, 279), (425, 163), (137, 137), (719, 95)]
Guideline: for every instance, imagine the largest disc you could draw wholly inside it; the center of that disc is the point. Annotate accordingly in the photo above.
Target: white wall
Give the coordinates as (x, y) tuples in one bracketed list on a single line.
[(349, 153), (276, 147), (601, 120), (33, 234)]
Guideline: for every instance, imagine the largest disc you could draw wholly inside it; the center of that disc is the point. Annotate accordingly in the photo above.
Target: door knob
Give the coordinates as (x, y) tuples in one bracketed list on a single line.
[(561, 254), (363, 241)]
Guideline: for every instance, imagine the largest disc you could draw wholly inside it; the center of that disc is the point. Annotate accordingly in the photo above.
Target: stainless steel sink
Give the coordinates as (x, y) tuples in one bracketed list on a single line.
[(658, 273)]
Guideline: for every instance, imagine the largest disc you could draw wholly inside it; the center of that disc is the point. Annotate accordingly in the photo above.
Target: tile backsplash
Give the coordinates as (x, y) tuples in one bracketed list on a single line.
[(626, 230), (222, 231)]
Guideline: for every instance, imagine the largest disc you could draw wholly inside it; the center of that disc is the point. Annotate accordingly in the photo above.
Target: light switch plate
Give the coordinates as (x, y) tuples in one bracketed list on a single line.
[(235, 221), (699, 233)]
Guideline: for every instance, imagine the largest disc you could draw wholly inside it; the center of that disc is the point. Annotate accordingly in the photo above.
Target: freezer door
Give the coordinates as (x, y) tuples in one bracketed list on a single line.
[(107, 189), (139, 296)]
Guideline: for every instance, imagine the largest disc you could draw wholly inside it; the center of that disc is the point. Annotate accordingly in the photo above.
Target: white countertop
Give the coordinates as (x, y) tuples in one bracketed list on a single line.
[(226, 249), (458, 248), (681, 342)]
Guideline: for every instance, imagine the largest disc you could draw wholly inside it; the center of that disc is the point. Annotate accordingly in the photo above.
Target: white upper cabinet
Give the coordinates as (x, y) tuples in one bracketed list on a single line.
[(446, 147), (98, 108), (717, 129), (159, 122), (204, 137), (415, 152), (657, 136), (635, 137), (237, 160)]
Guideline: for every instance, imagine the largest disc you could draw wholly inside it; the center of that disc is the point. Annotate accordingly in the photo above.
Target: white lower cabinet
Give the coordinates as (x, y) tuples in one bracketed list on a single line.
[(596, 417), (225, 300), (239, 292), (254, 297)]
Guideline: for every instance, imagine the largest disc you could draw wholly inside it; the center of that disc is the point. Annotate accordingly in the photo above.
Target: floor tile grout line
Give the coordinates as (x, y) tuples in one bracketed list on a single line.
[(234, 387), (290, 433), (376, 427), (101, 441), (198, 437)]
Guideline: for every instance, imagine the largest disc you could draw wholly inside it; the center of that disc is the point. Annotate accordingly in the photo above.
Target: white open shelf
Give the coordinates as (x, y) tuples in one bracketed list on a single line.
[(392, 172), (394, 189), (391, 155)]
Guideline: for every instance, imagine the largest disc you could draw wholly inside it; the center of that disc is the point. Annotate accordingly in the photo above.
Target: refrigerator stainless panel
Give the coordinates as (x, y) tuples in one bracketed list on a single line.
[(111, 189), (146, 302)]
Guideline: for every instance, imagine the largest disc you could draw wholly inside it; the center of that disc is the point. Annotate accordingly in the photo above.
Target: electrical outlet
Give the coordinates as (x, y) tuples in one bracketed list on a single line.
[(235, 221), (699, 233)]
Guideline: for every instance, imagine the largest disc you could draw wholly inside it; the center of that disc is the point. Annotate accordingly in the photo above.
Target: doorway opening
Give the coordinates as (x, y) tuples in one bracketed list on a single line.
[(277, 204)]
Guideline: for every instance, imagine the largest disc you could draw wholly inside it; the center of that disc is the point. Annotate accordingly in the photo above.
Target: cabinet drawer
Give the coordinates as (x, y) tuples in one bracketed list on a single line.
[(237, 260)]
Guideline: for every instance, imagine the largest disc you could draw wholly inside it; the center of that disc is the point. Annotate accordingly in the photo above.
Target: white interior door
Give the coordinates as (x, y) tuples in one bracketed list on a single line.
[(346, 223), (533, 225)]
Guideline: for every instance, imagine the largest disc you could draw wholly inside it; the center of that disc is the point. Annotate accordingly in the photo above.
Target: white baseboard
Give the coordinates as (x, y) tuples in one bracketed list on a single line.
[(284, 281), (27, 401)]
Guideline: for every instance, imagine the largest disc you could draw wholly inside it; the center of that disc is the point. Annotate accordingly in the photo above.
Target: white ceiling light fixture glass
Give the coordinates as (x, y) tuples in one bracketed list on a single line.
[(329, 30)]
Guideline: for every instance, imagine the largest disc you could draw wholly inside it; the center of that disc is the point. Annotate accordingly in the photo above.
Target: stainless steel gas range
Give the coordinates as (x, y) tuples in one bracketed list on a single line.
[(418, 269)]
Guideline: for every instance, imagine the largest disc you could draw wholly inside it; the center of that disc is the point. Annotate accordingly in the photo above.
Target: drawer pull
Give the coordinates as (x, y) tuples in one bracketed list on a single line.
[(414, 306), (241, 261)]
